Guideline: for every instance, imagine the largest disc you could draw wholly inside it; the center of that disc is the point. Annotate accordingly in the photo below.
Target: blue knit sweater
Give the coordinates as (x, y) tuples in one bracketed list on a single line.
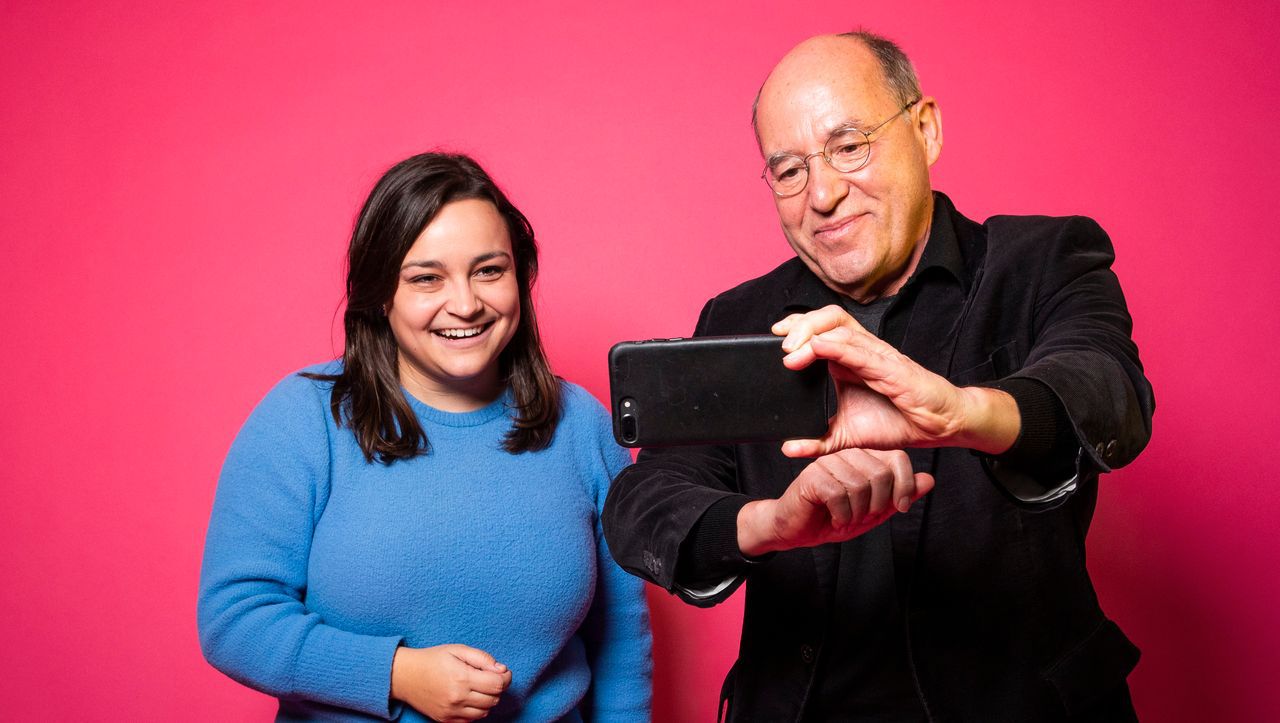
[(319, 564)]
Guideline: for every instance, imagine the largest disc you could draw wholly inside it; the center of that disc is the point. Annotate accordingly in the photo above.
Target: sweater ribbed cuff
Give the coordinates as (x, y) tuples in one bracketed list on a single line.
[(348, 669), (1046, 442), (710, 553)]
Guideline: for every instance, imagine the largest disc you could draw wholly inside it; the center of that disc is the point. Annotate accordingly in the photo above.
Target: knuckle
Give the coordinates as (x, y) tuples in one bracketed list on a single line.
[(823, 466), (852, 455), (830, 490)]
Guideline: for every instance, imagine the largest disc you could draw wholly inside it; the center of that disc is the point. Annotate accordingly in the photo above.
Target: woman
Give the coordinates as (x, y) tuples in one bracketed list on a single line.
[(414, 530)]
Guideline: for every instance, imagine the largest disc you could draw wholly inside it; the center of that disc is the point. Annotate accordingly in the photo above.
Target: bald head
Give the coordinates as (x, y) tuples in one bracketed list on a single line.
[(895, 71)]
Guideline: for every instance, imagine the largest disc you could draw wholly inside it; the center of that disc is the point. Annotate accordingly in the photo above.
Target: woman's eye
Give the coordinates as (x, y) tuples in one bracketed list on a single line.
[(426, 279), (490, 272)]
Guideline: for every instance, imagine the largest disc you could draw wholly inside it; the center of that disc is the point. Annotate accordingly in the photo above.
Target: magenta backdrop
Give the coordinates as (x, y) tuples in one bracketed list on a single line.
[(178, 182)]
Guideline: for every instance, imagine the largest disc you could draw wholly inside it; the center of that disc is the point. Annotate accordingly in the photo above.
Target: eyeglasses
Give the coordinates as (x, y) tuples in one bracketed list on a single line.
[(846, 150)]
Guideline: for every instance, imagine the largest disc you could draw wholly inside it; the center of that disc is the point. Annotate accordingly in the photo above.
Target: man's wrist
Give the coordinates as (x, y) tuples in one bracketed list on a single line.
[(754, 528), (991, 421)]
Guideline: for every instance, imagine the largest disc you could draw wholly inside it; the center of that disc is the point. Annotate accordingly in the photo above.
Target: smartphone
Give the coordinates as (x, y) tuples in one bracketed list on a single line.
[(716, 389)]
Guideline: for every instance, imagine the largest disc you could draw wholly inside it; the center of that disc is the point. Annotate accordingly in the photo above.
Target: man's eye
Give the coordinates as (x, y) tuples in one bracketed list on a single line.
[(847, 148), (787, 173)]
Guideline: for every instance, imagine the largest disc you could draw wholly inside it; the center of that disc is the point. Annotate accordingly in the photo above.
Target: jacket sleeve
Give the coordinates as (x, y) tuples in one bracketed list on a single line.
[(654, 507), (616, 631), (252, 621), (1082, 351)]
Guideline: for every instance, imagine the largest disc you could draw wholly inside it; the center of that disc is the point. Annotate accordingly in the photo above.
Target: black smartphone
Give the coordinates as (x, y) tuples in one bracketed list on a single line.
[(716, 389)]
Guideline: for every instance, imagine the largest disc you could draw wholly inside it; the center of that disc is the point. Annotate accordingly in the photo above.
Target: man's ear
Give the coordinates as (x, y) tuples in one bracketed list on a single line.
[(928, 123)]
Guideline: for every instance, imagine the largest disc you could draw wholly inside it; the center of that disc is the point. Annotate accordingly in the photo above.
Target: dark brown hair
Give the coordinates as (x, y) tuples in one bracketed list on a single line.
[(367, 395)]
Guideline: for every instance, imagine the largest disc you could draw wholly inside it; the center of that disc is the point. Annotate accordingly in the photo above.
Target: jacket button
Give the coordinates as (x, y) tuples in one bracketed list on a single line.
[(1111, 449), (806, 653), (1101, 449)]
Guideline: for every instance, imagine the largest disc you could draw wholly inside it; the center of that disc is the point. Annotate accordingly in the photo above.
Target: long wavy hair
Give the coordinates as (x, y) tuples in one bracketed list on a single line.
[(367, 395)]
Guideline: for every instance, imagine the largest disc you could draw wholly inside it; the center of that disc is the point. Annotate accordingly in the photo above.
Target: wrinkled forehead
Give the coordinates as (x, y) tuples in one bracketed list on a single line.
[(818, 87)]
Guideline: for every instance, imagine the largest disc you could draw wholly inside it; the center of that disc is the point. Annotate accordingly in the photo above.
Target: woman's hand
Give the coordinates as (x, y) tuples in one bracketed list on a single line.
[(448, 682)]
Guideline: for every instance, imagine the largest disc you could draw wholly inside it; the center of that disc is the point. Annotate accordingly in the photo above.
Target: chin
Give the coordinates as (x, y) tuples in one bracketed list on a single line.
[(846, 278)]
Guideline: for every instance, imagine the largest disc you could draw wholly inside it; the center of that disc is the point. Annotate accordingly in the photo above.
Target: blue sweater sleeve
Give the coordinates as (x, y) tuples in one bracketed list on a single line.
[(252, 620), (616, 631)]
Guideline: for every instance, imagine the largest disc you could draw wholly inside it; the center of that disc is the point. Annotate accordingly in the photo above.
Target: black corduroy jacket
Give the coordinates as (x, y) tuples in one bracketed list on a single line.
[(1002, 620)]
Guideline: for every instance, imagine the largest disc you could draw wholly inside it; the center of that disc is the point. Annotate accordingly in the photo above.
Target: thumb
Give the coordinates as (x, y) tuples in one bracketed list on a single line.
[(808, 447), (924, 485), (477, 658)]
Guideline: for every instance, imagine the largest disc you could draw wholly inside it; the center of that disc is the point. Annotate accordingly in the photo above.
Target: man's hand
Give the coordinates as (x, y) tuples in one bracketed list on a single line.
[(448, 683), (836, 498), (884, 400)]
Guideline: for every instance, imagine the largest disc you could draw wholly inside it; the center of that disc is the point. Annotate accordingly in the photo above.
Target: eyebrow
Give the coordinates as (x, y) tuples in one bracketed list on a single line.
[(850, 124), (433, 264)]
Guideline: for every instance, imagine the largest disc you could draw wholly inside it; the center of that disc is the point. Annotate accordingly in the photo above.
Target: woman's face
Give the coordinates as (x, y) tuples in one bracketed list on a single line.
[(456, 306)]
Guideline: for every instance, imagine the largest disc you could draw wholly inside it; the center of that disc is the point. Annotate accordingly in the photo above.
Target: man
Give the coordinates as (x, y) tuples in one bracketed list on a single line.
[(998, 355)]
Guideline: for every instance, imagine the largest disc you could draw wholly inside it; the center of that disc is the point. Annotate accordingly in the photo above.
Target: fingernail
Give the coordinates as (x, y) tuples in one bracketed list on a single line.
[(904, 503), (499, 667)]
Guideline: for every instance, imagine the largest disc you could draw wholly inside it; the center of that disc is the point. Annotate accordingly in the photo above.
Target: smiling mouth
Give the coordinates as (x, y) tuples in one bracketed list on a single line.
[(835, 228), (462, 333)]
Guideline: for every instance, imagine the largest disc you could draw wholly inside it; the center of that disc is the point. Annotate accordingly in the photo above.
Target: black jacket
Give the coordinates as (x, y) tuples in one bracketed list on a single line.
[(1001, 617)]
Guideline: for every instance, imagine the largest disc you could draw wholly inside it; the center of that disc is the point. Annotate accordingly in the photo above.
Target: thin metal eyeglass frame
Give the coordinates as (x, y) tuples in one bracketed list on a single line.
[(804, 160)]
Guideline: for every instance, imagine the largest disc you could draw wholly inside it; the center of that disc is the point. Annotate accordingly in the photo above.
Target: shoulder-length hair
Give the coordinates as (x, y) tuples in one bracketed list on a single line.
[(367, 393)]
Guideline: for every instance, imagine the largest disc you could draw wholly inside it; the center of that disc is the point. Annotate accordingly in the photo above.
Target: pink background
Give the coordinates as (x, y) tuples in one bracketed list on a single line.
[(179, 180)]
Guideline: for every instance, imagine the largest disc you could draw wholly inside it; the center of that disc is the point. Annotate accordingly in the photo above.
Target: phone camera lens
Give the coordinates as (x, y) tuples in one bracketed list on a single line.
[(629, 434)]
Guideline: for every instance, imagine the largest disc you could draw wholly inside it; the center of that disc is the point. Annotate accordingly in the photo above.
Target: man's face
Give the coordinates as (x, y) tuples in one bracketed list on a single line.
[(860, 232)]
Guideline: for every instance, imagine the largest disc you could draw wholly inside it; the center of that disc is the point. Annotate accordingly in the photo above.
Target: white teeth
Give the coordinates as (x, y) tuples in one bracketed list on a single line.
[(460, 333)]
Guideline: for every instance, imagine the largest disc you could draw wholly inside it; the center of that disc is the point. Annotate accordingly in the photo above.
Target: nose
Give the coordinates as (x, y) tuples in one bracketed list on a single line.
[(463, 302), (827, 187)]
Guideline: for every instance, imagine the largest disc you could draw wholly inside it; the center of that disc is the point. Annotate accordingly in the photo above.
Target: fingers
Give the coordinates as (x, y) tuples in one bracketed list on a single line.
[(487, 676), (855, 487), (868, 358), (798, 328), (489, 683), (476, 658), (783, 326), (924, 484), (484, 701), (832, 490), (863, 487), (876, 476), (904, 481)]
